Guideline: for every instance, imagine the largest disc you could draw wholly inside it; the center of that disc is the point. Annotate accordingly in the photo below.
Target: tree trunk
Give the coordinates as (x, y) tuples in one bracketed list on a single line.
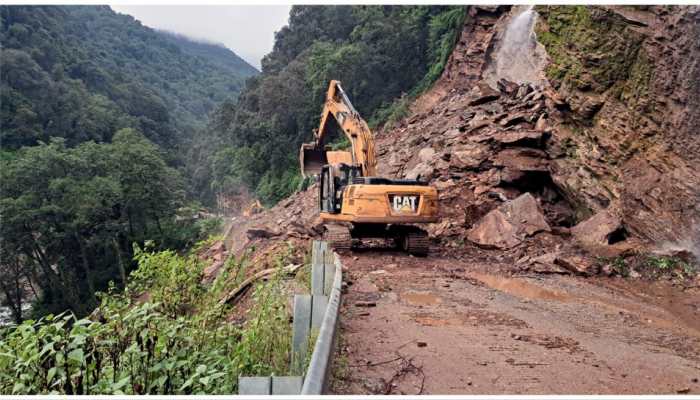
[(120, 261), (86, 267), (12, 288)]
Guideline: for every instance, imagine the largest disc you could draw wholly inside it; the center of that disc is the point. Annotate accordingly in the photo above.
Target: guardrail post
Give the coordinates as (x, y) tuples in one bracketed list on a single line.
[(287, 384), (301, 328), (254, 385), (318, 310)]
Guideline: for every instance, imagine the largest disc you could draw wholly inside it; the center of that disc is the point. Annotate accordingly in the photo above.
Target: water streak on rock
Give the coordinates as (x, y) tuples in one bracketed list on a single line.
[(519, 57)]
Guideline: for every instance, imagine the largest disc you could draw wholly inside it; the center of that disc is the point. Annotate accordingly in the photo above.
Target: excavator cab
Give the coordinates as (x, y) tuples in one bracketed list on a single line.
[(333, 180)]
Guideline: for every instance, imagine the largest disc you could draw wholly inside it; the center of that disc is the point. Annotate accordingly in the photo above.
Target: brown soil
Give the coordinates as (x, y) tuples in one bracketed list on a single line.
[(460, 326)]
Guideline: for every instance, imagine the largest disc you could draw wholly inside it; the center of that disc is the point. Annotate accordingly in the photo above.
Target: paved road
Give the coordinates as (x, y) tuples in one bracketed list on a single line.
[(444, 325)]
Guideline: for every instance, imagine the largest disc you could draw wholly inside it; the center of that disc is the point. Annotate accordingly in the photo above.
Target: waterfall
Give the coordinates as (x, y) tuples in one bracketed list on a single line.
[(519, 57)]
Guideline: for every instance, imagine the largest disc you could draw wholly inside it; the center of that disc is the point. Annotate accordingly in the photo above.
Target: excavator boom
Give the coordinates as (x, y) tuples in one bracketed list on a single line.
[(338, 107)]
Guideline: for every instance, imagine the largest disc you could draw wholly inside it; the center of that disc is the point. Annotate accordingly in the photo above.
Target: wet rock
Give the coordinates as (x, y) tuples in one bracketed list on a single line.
[(481, 94), (578, 264), (508, 225), (546, 264), (599, 229), (422, 171), (522, 159), (260, 233), (469, 156)]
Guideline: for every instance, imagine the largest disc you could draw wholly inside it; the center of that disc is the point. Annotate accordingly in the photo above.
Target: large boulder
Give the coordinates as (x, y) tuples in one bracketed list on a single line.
[(603, 228), (422, 171), (482, 93), (469, 156), (522, 159), (508, 225)]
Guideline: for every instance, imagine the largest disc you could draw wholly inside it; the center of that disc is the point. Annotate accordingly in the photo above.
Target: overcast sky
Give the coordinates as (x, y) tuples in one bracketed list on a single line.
[(247, 30)]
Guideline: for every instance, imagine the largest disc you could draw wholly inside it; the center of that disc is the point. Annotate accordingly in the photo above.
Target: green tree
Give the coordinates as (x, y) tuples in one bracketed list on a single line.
[(69, 215)]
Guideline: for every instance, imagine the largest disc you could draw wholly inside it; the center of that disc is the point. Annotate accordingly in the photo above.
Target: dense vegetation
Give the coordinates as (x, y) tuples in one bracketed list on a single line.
[(177, 341), (96, 112), (104, 128), (380, 53), (70, 216), (84, 72)]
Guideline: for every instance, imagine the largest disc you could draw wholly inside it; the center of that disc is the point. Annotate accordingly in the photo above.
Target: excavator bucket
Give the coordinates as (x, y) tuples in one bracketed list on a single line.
[(312, 159)]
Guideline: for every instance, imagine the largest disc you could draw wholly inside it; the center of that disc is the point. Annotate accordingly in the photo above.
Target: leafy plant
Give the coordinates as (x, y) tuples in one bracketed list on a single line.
[(164, 334)]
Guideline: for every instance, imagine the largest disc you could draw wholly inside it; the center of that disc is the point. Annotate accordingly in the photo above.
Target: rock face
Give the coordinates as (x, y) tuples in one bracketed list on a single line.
[(508, 225), (628, 134)]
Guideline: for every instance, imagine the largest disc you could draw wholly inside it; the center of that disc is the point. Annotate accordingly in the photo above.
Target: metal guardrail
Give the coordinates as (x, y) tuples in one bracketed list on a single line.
[(316, 381), (314, 313)]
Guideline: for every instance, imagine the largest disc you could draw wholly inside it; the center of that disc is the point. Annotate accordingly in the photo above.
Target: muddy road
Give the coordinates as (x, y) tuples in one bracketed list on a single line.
[(451, 325)]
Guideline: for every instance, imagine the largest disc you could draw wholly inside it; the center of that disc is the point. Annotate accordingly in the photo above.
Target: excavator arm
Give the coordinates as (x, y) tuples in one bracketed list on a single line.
[(338, 108)]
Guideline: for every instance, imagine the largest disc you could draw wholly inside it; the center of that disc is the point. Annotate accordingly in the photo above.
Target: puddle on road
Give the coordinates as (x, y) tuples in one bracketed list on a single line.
[(420, 298), (683, 307), (520, 288)]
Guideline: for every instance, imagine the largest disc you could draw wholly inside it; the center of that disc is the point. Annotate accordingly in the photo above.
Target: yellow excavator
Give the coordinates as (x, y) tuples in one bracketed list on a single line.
[(355, 203)]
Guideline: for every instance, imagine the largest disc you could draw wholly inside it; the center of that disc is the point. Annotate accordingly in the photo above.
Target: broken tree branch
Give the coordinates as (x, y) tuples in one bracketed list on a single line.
[(236, 293)]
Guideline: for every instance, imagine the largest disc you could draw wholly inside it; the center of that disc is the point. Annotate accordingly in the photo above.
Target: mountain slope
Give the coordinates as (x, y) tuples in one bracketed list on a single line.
[(384, 55), (606, 175), (83, 72)]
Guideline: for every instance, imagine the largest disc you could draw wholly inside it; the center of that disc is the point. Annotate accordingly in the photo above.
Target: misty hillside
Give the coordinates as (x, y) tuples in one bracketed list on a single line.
[(82, 72)]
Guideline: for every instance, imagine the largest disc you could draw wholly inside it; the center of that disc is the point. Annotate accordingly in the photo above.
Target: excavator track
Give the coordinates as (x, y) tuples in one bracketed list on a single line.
[(416, 243), (338, 237)]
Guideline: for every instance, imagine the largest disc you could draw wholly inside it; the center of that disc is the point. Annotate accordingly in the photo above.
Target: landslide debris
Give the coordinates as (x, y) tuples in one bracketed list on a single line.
[(551, 177)]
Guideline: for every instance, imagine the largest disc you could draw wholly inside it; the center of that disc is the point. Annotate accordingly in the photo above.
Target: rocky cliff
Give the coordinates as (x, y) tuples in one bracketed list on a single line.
[(626, 131), (610, 128)]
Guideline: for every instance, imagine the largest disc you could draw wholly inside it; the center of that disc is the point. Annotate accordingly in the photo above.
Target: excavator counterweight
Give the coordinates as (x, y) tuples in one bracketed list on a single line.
[(354, 203)]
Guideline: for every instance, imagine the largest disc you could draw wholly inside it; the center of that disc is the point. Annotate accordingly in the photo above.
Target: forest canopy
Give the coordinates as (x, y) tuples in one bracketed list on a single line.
[(83, 72), (382, 54), (96, 115), (113, 133)]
